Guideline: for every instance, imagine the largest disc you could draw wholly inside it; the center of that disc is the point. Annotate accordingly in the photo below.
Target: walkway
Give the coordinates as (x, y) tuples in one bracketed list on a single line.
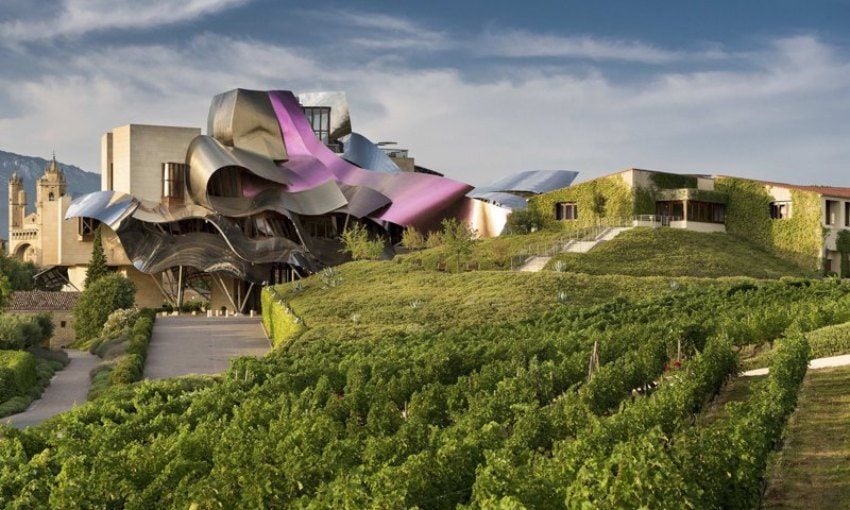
[(536, 263), (832, 361), (201, 345), (68, 388)]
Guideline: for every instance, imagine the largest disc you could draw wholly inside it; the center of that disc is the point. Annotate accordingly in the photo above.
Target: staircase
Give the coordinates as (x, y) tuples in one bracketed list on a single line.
[(535, 263)]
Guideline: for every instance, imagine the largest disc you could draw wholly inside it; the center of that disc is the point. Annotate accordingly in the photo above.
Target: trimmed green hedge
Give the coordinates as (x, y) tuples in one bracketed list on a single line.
[(129, 367), (17, 373), (281, 323), (22, 331), (24, 375)]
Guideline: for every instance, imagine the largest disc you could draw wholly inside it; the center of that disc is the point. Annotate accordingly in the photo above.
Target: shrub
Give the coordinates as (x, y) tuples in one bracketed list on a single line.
[(22, 331), (356, 243), (97, 267), (458, 239), (109, 293), (524, 221), (413, 239), (17, 373)]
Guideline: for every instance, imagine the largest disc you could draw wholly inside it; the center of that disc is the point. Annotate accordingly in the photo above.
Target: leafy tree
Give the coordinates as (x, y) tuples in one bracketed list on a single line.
[(18, 274), (458, 239), (524, 221), (109, 293), (97, 267), (413, 239), (842, 244), (356, 242)]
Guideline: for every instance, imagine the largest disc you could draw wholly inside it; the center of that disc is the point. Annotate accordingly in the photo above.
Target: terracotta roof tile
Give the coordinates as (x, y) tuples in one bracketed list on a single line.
[(38, 300)]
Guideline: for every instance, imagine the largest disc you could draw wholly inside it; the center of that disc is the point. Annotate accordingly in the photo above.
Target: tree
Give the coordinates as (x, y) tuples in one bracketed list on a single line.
[(412, 239), (356, 242), (458, 239), (109, 293), (97, 267), (524, 221), (19, 274)]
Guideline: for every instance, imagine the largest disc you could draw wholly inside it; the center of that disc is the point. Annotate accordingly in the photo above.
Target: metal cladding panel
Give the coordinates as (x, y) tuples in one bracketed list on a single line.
[(362, 201), (534, 181), (340, 124), (155, 212), (107, 207), (488, 220), (500, 198), (206, 156), (245, 119), (416, 197), (315, 201), (365, 154)]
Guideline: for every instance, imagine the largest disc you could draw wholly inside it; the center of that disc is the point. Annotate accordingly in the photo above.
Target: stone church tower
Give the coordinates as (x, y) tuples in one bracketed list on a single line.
[(51, 185), (17, 202)]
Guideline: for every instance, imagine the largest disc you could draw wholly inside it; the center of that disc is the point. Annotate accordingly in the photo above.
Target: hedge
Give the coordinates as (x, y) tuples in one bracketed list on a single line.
[(281, 323)]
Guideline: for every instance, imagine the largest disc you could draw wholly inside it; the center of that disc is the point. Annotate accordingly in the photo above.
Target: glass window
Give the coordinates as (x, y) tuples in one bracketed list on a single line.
[(319, 118), (780, 210), (566, 211)]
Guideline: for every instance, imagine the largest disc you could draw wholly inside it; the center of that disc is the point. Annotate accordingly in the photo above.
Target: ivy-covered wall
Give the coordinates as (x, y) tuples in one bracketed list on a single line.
[(799, 238), (604, 199)]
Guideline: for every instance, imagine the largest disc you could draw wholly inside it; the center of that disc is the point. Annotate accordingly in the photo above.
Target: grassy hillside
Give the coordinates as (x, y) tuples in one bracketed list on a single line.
[(373, 298), (674, 252), (814, 468)]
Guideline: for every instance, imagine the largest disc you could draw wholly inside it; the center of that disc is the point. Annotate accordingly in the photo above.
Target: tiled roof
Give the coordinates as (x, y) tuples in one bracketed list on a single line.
[(39, 300), (831, 191)]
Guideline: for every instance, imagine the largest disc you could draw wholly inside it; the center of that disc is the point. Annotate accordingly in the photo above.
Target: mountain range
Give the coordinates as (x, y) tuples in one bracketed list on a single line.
[(30, 168)]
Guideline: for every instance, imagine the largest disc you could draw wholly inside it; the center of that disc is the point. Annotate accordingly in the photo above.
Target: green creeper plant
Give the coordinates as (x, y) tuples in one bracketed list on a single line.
[(842, 244)]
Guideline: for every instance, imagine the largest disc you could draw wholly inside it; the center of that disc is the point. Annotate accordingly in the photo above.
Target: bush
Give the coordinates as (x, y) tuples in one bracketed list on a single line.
[(356, 243), (413, 239), (524, 221), (109, 293), (23, 331), (17, 373)]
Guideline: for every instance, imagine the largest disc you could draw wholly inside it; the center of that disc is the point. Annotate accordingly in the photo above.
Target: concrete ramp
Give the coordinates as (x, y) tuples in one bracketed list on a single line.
[(202, 345)]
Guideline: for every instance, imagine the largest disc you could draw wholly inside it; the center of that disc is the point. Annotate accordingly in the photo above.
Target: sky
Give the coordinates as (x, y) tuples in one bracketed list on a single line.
[(475, 89)]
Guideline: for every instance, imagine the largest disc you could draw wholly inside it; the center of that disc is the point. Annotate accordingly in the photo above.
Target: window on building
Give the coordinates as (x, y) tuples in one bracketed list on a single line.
[(87, 228), (780, 210), (566, 211), (109, 178), (831, 212), (706, 212), (61, 324), (319, 118), (50, 197), (847, 214)]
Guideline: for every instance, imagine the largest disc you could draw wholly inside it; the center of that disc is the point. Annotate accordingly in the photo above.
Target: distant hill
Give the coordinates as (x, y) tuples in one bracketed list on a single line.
[(30, 168)]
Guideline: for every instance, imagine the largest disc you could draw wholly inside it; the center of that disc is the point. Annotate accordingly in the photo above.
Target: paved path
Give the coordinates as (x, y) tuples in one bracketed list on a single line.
[(201, 345), (535, 264), (832, 361), (68, 388)]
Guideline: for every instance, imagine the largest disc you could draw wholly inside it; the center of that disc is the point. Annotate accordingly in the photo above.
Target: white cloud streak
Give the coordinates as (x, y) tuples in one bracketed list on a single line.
[(78, 17), (780, 114), (524, 44)]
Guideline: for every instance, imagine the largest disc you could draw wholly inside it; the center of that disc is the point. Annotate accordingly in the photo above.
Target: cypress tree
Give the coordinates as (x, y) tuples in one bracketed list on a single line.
[(97, 267)]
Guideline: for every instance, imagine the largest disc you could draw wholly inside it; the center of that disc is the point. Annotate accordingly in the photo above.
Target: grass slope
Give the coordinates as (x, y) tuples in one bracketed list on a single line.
[(674, 252), (813, 470), (376, 298)]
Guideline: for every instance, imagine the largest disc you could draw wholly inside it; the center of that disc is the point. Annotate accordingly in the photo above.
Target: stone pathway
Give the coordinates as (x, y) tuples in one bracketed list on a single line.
[(832, 361), (202, 345), (534, 264), (68, 388)]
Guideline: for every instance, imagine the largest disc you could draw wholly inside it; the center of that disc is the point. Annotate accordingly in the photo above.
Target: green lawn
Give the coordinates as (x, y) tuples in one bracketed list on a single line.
[(384, 297), (813, 469), (674, 252)]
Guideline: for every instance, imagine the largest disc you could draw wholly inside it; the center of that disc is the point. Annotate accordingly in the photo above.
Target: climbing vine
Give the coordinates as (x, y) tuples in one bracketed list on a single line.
[(604, 199), (799, 238)]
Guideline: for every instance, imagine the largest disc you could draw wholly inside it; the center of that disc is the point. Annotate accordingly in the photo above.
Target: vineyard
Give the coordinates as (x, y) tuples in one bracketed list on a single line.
[(579, 403)]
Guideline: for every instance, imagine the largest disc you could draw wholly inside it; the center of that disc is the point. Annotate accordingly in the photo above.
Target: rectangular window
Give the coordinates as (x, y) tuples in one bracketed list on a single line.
[(831, 212), (87, 227), (61, 324), (566, 211), (847, 214), (706, 212), (319, 118), (780, 210)]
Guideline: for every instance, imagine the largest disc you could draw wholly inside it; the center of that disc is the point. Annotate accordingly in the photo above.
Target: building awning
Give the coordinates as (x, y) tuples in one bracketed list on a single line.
[(53, 277)]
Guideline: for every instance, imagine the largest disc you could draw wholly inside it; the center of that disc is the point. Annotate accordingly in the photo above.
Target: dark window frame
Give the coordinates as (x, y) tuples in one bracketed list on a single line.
[(321, 124), (780, 210), (566, 211)]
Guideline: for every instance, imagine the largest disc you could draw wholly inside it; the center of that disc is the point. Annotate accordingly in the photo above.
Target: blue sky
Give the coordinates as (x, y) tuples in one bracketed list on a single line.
[(476, 89)]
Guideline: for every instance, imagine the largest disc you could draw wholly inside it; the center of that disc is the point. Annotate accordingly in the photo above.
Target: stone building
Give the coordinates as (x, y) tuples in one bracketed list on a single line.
[(58, 305)]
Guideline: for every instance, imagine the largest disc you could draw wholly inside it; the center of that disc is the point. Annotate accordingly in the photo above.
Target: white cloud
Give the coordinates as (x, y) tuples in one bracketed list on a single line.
[(77, 17), (378, 31), (524, 44), (779, 114)]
